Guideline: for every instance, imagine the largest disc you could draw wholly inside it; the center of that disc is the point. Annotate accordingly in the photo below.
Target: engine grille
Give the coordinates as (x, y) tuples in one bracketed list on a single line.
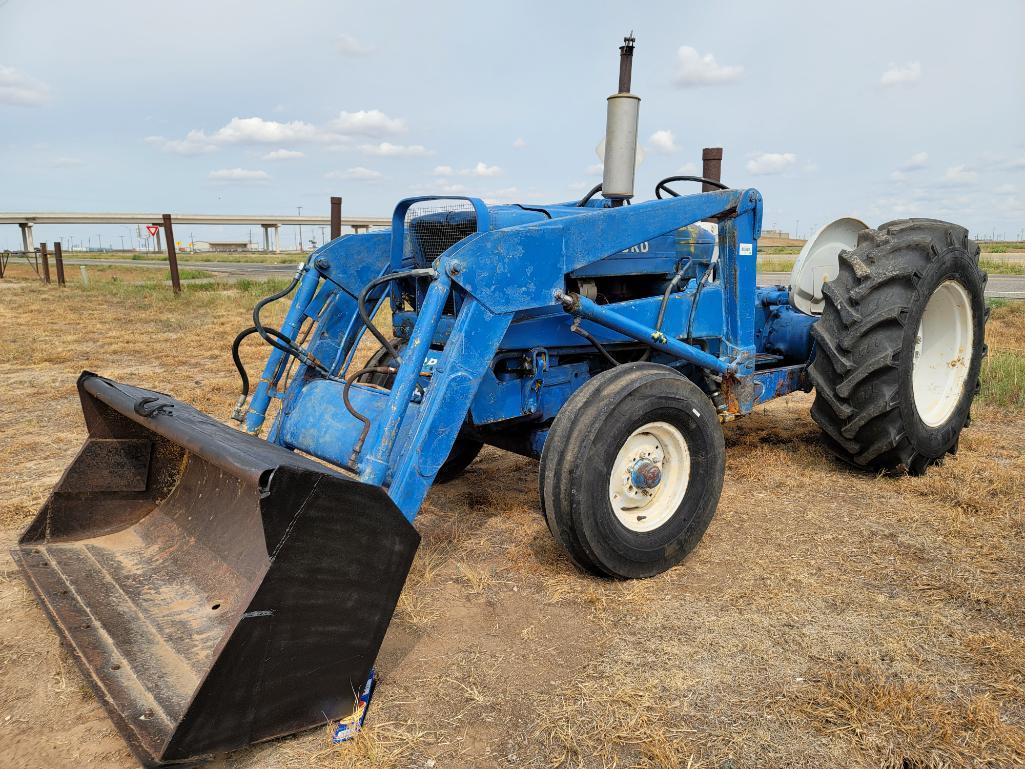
[(435, 226)]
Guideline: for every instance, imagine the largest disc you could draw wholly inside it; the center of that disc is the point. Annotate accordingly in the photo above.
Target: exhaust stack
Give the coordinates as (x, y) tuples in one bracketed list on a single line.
[(621, 132)]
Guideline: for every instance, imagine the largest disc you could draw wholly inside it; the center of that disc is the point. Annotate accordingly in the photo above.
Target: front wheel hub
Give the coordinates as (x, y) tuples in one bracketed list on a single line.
[(649, 477), (645, 474)]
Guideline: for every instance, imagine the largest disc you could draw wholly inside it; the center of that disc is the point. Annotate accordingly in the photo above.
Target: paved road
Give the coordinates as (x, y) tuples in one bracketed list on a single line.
[(999, 286)]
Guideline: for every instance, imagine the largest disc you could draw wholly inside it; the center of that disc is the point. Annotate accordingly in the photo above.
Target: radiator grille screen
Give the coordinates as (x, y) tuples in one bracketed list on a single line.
[(434, 226)]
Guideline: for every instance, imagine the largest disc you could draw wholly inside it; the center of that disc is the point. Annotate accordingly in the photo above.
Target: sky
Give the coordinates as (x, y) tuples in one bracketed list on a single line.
[(876, 109)]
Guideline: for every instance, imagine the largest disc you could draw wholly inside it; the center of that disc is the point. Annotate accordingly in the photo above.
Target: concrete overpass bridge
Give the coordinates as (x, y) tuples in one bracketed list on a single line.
[(271, 224)]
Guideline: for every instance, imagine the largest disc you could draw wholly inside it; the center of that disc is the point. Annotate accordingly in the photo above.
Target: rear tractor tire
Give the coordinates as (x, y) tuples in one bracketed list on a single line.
[(899, 346), (632, 470)]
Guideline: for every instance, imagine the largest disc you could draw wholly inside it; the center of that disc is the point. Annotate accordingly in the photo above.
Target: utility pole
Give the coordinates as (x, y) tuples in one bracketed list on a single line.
[(300, 209)]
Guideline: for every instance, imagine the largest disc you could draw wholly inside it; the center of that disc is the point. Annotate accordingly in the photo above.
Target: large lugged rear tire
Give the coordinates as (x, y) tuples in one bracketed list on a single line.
[(899, 346)]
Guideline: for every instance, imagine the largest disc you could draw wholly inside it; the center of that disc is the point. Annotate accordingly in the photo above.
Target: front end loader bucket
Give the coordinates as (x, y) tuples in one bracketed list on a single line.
[(215, 589)]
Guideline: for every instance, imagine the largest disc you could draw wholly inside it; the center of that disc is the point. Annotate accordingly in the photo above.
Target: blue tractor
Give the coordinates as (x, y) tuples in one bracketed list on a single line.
[(220, 588)]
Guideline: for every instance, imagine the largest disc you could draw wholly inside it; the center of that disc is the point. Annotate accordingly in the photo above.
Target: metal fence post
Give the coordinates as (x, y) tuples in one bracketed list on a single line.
[(46, 263), (58, 258), (336, 217), (172, 256)]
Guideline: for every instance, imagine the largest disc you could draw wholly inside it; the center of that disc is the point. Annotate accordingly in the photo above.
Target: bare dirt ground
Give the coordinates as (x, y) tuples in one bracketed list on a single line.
[(829, 618)]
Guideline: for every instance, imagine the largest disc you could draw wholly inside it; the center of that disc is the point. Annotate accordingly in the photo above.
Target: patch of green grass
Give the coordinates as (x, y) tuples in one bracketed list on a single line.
[(160, 290), (1003, 380), (260, 288), (253, 257), (775, 265), (778, 250), (993, 266), (187, 274), (1002, 266)]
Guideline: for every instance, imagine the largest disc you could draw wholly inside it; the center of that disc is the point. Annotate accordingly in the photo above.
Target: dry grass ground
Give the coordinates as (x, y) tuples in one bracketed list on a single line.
[(829, 618)]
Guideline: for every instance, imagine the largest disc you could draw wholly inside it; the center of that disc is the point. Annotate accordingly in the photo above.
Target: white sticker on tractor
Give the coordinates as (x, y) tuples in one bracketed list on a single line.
[(746, 249)]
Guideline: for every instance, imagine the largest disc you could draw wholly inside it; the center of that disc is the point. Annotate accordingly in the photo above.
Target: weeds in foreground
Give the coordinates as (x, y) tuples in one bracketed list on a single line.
[(1003, 380)]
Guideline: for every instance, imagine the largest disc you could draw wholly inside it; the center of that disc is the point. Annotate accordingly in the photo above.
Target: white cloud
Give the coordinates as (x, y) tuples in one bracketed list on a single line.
[(64, 162), (504, 195), (579, 186), (482, 169), (240, 130), (1005, 189), (238, 176), (359, 173), (765, 163), (688, 169), (1016, 163), (916, 162), (283, 155), (693, 69), (257, 130), (371, 122), (20, 90), (387, 149), (520, 143), (347, 45), (446, 188), (901, 74), (443, 171), (961, 174), (663, 142), (194, 143), (595, 169)]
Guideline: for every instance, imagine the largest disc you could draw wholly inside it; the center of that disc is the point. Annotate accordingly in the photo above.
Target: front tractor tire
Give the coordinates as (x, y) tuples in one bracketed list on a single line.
[(899, 346), (632, 470)]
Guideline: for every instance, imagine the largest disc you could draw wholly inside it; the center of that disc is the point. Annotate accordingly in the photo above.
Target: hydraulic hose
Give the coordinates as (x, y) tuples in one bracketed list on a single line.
[(285, 345), (694, 304), (664, 304), (662, 185), (260, 329), (584, 200), (576, 329), (364, 314), (243, 375), (357, 447)]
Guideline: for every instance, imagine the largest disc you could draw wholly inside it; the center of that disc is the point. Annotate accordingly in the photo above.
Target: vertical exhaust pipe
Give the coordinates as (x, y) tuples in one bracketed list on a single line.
[(621, 132)]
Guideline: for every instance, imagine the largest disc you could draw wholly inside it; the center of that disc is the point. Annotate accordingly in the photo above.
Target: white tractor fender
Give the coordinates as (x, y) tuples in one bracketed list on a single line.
[(819, 262)]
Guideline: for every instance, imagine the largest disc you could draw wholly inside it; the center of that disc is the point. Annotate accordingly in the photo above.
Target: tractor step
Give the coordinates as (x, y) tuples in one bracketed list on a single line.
[(215, 589)]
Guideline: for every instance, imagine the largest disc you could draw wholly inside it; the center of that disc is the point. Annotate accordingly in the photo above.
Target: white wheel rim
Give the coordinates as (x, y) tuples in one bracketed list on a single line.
[(640, 508), (943, 353)]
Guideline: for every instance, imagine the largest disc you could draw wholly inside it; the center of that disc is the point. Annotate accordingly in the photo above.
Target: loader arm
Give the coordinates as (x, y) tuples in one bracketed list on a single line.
[(502, 272)]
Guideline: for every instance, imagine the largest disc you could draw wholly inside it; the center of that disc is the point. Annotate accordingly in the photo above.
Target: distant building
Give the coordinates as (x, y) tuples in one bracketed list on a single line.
[(223, 246), (776, 234)]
